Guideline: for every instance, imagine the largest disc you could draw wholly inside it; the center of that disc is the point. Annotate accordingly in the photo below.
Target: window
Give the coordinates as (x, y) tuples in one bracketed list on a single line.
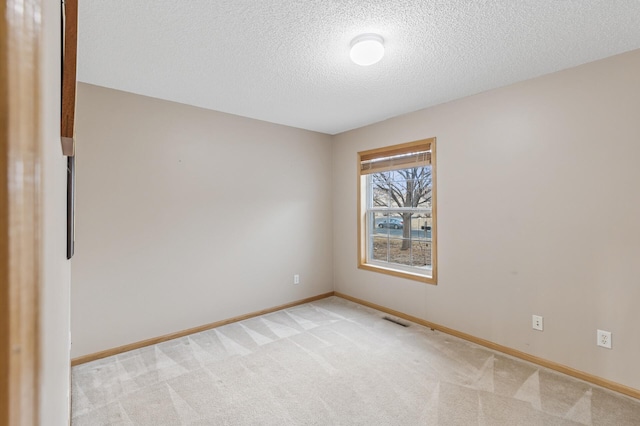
[(397, 210)]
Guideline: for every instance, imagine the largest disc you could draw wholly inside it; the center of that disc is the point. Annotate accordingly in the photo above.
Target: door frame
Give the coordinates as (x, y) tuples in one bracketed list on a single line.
[(20, 211)]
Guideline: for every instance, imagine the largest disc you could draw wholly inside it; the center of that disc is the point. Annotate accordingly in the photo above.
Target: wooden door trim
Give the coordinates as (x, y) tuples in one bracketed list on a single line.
[(69, 65), (20, 203)]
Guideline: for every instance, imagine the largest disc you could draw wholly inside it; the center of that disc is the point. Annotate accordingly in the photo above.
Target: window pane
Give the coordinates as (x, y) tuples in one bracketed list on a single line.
[(423, 186), (397, 251), (420, 253), (379, 189), (380, 248), (418, 223), (388, 223), (380, 176), (400, 238)]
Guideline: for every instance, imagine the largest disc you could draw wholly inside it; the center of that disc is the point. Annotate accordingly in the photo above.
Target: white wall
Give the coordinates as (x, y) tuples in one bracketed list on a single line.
[(56, 269), (186, 216), (538, 213)]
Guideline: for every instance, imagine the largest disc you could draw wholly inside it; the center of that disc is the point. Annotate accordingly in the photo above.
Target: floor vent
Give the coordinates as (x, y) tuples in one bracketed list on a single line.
[(396, 321)]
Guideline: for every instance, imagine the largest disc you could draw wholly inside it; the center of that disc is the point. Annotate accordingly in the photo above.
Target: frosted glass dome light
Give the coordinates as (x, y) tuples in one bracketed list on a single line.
[(367, 49)]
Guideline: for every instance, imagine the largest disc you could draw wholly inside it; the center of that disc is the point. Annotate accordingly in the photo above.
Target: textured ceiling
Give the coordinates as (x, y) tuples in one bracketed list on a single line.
[(288, 62)]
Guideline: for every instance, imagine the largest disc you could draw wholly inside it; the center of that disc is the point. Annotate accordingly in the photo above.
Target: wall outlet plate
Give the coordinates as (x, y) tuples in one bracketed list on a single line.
[(604, 339), (536, 322), (296, 279)]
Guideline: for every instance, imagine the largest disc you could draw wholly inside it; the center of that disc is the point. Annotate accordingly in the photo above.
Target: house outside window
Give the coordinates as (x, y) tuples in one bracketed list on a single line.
[(396, 210)]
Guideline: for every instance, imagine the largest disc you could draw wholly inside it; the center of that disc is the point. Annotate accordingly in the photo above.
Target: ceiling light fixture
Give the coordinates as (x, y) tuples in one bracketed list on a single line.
[(367, 49)]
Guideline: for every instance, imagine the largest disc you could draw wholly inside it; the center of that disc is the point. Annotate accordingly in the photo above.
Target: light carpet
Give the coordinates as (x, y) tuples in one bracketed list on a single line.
[(333, 362)]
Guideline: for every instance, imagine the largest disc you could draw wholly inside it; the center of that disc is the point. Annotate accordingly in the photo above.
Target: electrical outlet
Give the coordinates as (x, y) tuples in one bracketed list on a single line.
[(296, 279), (536, 322), (604, 339)]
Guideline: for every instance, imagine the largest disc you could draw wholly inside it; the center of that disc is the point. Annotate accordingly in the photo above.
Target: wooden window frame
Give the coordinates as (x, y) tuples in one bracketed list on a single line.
[(364, 156)]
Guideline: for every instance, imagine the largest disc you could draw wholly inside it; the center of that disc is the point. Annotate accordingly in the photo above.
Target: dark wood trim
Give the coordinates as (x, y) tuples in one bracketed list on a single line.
[(20, 203), (155, 340), (69, 65), (599, 381)]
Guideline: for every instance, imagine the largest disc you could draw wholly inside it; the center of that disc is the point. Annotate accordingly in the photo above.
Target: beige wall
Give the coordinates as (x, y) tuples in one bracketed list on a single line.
[(54, 315), (187, 216), (537, 203), (538, 213)]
